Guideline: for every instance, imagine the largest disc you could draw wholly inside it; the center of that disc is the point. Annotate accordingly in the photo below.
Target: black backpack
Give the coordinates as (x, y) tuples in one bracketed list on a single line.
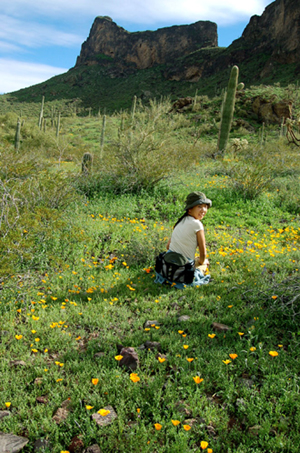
[(175, 267)]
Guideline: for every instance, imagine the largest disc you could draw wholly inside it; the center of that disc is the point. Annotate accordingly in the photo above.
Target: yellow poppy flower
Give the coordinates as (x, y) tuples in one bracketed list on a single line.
[(197, 379), (134, 377), (103, 412), (175, 422)]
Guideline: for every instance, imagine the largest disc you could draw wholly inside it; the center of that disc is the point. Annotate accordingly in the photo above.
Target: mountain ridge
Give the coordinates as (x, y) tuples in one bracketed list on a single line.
[(267, 52)]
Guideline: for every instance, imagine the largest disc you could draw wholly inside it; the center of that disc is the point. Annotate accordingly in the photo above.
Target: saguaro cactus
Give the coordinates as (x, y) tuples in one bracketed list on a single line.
[(18, 135), (228, 109), (86, 164)]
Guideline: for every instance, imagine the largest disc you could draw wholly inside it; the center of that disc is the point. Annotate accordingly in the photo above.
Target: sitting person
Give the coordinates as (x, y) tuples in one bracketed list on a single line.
[(188, 234)]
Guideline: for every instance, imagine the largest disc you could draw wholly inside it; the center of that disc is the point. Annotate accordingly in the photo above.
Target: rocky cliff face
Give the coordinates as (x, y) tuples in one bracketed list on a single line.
[(144, 49), (269, 39), (277, 31), (190, 52)]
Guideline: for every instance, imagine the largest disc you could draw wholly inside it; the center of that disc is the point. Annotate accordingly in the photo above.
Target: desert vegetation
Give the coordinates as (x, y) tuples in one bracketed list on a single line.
[(85, 206)]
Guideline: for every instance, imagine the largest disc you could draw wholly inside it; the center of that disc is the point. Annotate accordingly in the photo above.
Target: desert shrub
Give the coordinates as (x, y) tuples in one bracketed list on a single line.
[(249, 180), (145, 152), (288, 194), (252, 169)]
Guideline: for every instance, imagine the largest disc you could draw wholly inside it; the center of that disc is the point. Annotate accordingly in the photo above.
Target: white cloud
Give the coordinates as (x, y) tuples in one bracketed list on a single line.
[(139, 11), (8, 47), (16, 75), (33, 34)]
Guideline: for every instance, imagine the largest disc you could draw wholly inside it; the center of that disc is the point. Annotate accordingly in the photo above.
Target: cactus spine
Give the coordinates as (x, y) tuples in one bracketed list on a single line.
[(102, 136), (18, 135), (41, 113), (86, 164), (228, 109)]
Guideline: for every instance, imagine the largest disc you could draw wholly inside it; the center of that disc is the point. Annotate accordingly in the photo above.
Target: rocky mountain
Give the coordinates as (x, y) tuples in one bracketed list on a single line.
[(276, 32), (268, 41), (114, 64), (144, 49)]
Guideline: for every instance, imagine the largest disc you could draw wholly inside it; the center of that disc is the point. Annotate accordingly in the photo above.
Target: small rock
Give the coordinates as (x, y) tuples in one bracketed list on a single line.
[(107, 419), (220, 327), (60, 415), (76, 445), (9, 443), (4, 414), (130, 358), (40, 445), (183, 318), (148, 324), (17, 363), (42, 399), (175, 306), (93, 449)]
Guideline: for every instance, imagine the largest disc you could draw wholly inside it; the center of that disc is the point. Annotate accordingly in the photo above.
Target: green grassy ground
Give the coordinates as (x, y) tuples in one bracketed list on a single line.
[(77, 280)]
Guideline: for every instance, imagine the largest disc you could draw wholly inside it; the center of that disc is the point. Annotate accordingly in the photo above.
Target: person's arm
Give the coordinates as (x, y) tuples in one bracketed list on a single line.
[(201, 245), (168, 244)]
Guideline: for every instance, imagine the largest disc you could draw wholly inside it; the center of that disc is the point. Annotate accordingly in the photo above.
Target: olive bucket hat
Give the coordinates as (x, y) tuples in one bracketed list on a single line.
[(195, 198)]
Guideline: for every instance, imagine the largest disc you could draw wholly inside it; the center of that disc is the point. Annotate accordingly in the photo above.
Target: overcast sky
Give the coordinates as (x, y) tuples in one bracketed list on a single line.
[(42, 38)]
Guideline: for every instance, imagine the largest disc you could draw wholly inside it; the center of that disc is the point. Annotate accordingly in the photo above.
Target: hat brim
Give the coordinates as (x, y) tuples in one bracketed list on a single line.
[(200, 201)]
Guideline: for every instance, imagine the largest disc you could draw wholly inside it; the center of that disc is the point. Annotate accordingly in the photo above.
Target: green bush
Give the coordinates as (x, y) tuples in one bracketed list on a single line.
[(145, 152), (252, 170)]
